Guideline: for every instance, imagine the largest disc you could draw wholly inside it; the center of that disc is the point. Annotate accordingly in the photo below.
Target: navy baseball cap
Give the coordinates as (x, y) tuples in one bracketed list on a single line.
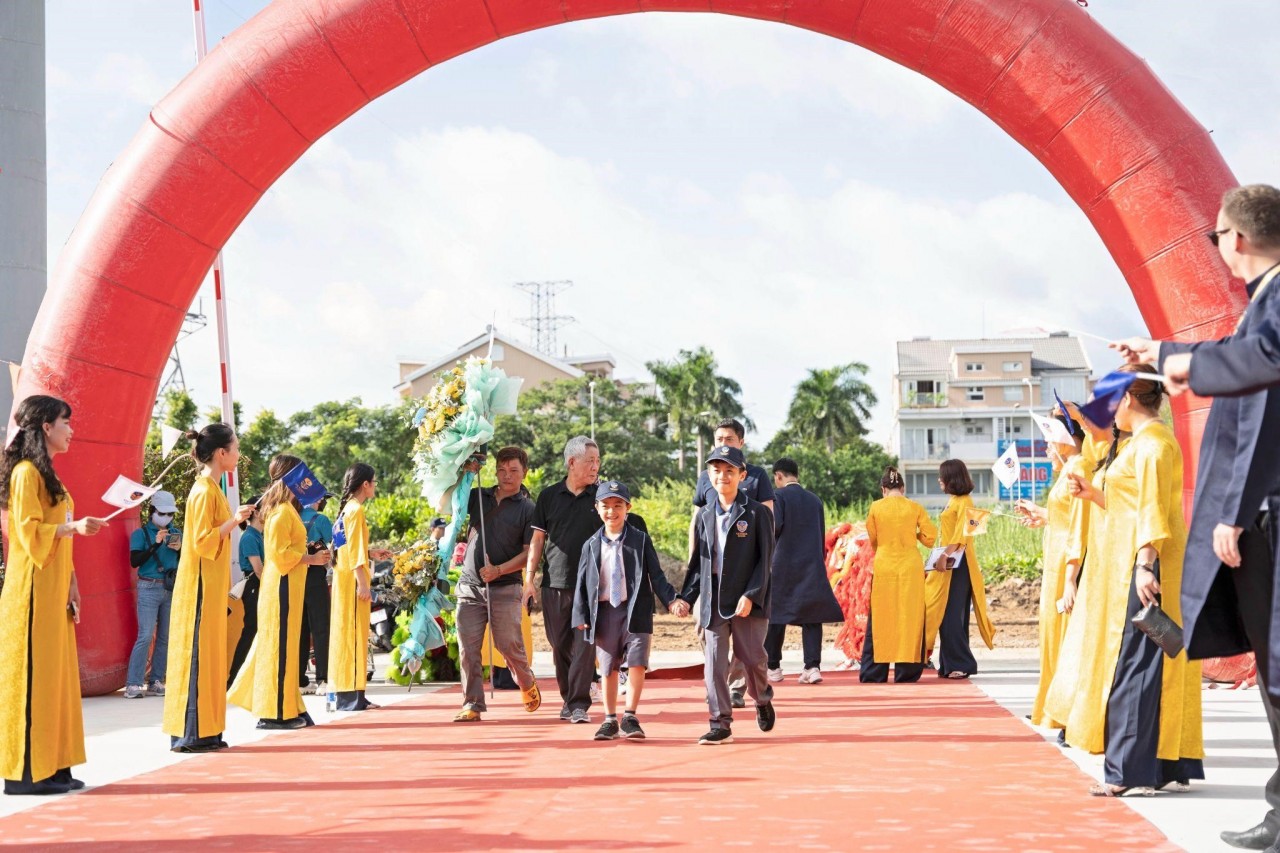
[(612, 489), (725, 453)]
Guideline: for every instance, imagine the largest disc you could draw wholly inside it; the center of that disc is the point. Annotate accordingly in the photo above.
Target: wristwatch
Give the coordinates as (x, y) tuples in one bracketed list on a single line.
[(1151, 567)]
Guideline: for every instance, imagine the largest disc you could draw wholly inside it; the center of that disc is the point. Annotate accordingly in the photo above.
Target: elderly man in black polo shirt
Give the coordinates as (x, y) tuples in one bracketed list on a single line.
[(563, 520), (489, 588)]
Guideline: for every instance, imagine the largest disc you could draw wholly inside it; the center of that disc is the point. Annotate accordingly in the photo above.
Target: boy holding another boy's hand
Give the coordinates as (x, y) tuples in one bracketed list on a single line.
[(618, 575)]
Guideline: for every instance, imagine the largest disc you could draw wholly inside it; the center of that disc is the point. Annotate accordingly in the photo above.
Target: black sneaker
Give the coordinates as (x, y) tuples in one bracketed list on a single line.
[(737, 700), (566, 712), (608, 730), (631, 728), (715, 737), (765, 717)]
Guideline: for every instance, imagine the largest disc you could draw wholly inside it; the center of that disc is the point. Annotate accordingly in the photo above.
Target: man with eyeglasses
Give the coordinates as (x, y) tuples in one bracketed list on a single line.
[(1228, 593)]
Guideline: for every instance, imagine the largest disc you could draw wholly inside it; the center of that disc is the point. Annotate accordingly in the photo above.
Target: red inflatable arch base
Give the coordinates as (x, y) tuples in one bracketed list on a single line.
[(1140, 167)]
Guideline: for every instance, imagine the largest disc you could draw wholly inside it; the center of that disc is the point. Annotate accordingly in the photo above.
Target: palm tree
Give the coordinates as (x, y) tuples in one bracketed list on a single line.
[(832, 405), (696, 397)]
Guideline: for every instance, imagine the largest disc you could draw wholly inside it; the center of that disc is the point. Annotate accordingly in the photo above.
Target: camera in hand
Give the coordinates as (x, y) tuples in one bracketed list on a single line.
[(316, 547)]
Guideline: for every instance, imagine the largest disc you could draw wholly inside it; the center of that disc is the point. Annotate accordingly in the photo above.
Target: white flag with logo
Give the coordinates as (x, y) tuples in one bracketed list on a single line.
[(126, 494), (1054, 431), (1007, 468), (169, 438)]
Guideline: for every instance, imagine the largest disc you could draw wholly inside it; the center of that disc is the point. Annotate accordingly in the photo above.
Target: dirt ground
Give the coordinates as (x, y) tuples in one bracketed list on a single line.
[(1012, 605)]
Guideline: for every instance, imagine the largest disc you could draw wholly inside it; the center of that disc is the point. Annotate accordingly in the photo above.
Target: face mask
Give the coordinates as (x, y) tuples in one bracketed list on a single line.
[(161, 520)]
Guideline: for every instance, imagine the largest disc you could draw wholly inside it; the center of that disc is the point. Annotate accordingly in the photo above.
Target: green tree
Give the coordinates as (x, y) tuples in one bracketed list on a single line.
[(696, 397), (266, 436), (179, 409), (832, 405), (332, 435), (549, 415), (213, 415), (848, 475)]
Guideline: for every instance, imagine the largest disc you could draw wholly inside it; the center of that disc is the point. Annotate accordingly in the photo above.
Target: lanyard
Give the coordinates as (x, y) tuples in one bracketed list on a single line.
[(1267, 277)]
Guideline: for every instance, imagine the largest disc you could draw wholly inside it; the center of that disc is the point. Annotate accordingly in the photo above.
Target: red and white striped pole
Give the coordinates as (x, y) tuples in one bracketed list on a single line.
[(231, 484)]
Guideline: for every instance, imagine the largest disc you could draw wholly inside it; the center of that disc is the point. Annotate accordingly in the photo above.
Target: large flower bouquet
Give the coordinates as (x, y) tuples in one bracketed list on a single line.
[(454, 423)]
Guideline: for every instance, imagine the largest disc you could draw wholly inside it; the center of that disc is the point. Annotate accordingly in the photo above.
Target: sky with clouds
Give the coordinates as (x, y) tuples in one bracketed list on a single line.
[(788, 200)]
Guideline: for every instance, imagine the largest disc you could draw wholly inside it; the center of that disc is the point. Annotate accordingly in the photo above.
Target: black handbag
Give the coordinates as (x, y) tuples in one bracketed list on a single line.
[(170, 580), (1162, 630)]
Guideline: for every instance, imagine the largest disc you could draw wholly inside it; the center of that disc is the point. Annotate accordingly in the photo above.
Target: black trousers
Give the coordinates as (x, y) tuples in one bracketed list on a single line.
[(871, 672), (810, 637), (1255, 594), (574, 657), (252, 588), (954, 654), (1133, 712), (315, 625)]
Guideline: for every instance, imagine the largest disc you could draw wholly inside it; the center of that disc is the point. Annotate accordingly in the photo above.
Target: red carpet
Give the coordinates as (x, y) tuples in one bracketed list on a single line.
[(933, 766)]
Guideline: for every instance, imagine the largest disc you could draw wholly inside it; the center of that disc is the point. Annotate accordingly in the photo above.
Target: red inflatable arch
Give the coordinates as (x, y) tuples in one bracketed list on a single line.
[(1140, 167)]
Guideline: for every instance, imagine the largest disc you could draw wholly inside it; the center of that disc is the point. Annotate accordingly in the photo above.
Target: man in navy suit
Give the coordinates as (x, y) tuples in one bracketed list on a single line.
[(1228, 583)]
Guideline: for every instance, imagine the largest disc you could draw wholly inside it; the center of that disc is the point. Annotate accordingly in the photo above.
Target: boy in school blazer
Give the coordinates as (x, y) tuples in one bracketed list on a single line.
[(618, 575), (728, 578)]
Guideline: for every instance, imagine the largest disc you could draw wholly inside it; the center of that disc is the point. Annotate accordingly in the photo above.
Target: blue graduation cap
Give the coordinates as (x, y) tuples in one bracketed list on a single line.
[(340, 532), (1107, 394), (304, 484)]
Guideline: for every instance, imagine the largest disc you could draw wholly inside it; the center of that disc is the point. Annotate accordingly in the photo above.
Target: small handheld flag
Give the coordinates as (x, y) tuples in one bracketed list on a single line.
[(126, 494), (169, 438), (1054, 431), (1072, 427), (304, 484), (1008, 469), (975, 521), (340, 532)]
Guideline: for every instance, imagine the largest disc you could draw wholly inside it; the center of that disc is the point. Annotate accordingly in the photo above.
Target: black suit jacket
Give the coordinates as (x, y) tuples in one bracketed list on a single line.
[(1239, 467), (643, 575), (748, 554)]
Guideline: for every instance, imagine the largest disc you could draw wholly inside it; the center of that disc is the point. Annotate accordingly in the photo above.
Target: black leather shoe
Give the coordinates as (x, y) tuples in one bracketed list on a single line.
[(765, 717), (1259, 837), (64, 777), (736, 699)]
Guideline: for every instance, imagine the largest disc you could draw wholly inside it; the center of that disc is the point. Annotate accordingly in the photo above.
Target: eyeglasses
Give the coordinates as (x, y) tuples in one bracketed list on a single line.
[(1214, 235)]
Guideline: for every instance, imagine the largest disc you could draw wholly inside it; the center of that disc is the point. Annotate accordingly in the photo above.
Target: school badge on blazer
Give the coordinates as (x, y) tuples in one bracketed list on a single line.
[(742, 528)]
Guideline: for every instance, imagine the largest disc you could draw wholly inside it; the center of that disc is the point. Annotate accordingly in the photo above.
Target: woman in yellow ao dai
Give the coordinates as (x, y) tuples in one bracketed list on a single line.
[(895, 623), (267, 684), (195, 701), (1139, 708)]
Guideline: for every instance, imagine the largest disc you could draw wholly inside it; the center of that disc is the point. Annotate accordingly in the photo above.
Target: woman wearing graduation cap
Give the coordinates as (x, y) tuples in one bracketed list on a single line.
[(1063, 519), (267, 684), (1139, 708)]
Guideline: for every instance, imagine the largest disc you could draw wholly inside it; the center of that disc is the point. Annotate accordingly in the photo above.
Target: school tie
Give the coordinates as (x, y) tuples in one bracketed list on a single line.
[(615, 575)]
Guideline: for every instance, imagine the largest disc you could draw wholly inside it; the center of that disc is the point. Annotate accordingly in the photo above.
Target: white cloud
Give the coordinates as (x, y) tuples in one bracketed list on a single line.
[(130, 75)]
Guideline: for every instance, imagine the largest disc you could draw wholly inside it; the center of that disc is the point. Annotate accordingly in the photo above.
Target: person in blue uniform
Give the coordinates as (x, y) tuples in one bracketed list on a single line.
[(1229, 601), (316, 605), (756, 485), (801, 592), (728, 581), (153, 551), (251, 557)]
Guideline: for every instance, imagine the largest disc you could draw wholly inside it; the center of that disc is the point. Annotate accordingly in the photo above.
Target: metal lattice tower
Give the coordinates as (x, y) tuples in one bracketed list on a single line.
[(543, 320), (175, 379)]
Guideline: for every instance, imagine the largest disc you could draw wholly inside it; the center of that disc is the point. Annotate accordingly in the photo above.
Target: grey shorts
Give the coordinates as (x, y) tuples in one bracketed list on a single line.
[(615, 645)]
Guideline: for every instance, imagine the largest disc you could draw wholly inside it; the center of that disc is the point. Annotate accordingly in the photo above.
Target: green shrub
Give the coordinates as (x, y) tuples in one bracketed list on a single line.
[(666, 508)]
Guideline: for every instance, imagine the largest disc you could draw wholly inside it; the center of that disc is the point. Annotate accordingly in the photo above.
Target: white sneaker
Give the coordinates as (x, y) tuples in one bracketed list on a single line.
[(595, 691), (775, 675), (320, 689), (811, 676)]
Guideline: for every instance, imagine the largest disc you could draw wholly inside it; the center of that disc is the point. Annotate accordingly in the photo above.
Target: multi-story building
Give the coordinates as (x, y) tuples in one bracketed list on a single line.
[(970, 399), (517, 359)]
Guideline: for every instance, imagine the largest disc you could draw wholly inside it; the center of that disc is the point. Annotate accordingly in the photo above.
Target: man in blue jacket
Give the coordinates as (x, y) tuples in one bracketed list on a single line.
[(1228, 582)]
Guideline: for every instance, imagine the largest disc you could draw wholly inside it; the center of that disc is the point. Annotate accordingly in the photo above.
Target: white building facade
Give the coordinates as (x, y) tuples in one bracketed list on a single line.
[(970, 399)]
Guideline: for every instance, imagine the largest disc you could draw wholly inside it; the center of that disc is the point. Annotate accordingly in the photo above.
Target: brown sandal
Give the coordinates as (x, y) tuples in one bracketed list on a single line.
[(532, 698)]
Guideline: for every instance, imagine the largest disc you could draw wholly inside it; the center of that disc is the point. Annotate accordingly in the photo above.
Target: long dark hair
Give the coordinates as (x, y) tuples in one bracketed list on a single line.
[(29, 444), (278, 493), (207, 441), (357, 475)]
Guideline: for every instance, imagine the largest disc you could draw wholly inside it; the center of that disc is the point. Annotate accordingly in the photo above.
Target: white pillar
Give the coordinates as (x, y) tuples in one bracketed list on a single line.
[(23, 182)]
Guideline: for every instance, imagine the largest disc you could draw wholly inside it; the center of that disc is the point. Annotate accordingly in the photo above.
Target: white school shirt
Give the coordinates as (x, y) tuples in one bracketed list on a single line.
[(610, 550)]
